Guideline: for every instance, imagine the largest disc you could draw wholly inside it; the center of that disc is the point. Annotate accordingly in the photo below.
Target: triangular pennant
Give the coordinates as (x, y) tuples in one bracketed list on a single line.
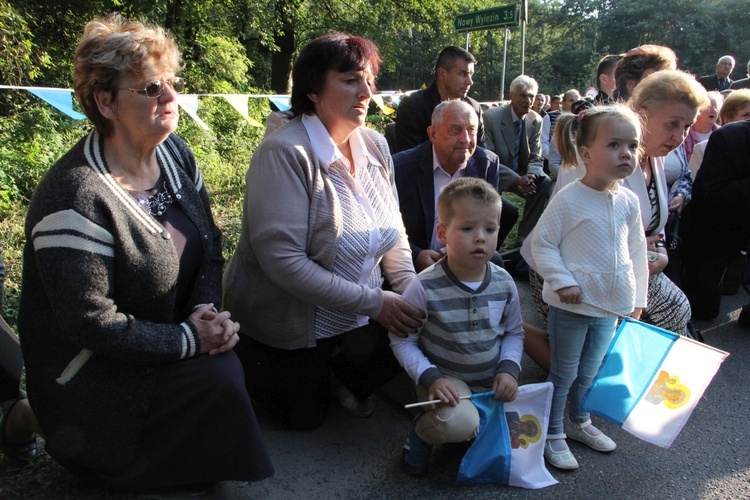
[(281, 102), (379, 101), (239, 102), (59, 98), (189, 102)]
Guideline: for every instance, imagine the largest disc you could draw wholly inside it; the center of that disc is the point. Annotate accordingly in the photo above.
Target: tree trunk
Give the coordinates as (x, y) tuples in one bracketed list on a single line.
[(281, 61)]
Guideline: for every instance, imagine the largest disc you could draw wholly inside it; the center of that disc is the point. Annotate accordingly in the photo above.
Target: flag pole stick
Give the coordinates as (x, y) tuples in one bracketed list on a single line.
[(434, 401)]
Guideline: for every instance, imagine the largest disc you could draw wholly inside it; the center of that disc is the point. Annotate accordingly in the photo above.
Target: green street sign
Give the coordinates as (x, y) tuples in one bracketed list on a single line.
[(488, 18)]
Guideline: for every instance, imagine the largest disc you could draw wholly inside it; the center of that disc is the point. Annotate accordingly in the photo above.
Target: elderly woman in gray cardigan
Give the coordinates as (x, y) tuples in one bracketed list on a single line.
[(129, 362), (321, 230)]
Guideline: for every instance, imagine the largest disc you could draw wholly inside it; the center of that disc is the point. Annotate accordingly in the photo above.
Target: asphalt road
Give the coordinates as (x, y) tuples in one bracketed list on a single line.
[(359, 458), (353, 458)]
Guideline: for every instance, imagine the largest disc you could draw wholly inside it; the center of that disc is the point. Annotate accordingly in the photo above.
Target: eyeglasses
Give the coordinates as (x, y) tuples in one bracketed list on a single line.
[(156, 88)]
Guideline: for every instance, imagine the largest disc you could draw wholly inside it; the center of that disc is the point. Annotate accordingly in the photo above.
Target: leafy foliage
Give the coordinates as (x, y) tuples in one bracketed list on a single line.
[(248, 46)]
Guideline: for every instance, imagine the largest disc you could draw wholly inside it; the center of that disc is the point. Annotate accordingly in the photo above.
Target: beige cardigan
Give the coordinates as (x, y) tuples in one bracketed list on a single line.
[(291, 228)]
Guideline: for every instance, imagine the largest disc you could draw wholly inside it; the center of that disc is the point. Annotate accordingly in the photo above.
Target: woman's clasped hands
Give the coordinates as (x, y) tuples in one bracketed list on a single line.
[(216, 332)]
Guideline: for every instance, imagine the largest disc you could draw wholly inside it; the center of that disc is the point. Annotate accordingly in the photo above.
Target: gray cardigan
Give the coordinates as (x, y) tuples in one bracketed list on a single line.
[(100, 273), (291, 228)]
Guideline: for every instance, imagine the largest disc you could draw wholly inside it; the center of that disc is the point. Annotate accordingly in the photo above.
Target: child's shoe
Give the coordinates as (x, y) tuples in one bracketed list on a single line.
[(558, 454), (589, 435), (415, 456)]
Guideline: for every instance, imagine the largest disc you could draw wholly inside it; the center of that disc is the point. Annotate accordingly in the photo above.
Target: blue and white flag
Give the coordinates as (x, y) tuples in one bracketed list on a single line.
[(651, 380), (509, 448)]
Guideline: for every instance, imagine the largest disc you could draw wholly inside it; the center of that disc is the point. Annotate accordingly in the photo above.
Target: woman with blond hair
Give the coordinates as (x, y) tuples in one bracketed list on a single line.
[(129, 361), (668, 103)]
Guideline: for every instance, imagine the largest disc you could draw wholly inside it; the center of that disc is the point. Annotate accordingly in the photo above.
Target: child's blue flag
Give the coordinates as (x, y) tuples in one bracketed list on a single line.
[(651, 380), (509, 448)]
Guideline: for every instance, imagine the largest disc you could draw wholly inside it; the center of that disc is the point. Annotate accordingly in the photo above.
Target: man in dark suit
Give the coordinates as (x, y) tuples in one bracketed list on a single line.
[(453, 79), (514, 133), (422, 171), (715, 225), (744, 83), (719, 80)]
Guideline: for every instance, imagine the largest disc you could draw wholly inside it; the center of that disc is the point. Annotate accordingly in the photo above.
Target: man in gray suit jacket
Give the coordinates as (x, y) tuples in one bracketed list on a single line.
[(514, 133)]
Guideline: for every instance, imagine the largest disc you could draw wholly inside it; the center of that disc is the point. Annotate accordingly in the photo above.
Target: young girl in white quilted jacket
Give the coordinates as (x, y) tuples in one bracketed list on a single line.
[(589, 247)]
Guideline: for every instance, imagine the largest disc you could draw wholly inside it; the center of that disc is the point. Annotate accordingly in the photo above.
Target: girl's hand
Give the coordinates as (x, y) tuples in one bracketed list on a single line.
[(505, 387), (570, 295), (660, 263), (443, 390), (636, 314)]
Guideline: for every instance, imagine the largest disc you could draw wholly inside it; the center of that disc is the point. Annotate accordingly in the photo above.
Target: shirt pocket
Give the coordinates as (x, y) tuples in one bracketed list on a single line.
[(497, 308)]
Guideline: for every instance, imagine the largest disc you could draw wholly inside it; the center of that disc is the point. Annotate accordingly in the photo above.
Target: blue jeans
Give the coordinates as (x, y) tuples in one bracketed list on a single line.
[(578, 344)]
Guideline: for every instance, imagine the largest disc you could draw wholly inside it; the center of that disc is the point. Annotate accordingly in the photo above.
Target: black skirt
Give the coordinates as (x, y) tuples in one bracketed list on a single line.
[(201, 428)]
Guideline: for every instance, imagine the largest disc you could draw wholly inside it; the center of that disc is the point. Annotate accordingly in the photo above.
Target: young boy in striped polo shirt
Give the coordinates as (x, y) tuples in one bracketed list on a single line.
[(472, 337)]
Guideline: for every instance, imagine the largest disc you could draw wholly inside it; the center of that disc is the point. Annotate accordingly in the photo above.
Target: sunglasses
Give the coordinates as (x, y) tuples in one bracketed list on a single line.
[(156, 88)]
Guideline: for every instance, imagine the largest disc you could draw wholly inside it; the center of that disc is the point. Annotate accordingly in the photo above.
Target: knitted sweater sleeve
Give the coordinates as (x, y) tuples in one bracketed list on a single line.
[(76, 256), (545, 246)]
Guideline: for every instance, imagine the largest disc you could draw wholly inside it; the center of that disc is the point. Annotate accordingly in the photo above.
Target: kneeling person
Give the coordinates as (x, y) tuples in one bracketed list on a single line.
[(472, 337)]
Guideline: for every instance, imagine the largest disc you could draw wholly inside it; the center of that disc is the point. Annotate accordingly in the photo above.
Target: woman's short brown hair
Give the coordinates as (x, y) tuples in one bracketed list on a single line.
[(110, 48), (636, 61), (337, 51)]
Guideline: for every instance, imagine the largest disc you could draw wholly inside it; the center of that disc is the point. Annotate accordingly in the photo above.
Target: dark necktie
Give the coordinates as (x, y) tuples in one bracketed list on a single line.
[(517, 128), (723, 84)]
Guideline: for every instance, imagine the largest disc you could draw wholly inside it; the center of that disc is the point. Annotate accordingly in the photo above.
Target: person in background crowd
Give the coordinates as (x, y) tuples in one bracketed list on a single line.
[(554, 103), (549, 150), (422, 172), (129, 361), (719, 80), (538, 105), (637, 64), (715, 227), (744, 83), (321, 232), (454, 70), (706, 123), (606, 82), (514, 133), (736, 107)]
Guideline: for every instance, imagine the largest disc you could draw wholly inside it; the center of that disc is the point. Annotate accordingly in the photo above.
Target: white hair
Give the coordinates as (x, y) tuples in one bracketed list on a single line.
[(725, 58), (524, 82)]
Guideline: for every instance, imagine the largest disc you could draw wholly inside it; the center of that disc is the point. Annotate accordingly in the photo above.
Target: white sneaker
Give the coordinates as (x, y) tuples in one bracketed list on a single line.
[(354, 406), (560, 457), (589, 435)]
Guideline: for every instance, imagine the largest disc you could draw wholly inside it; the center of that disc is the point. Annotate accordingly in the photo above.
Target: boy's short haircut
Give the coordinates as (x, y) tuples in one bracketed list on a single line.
[(464, 188)]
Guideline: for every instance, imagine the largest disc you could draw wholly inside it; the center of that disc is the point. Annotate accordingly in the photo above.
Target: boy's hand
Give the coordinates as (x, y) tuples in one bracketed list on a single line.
[(443, 390), (505, 387), (570, 295)]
